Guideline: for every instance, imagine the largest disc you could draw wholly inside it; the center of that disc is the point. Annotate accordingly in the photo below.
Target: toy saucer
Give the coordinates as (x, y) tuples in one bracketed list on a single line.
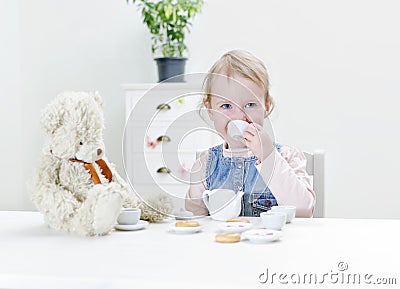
[(140, 225), (262, 235)]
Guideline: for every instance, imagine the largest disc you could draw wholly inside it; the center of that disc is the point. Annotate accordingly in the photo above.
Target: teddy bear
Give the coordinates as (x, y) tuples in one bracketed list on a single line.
[(75, 187)]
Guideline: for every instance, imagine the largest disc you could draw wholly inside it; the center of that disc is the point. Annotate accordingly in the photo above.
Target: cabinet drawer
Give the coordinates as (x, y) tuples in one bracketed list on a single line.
[(161, 105)]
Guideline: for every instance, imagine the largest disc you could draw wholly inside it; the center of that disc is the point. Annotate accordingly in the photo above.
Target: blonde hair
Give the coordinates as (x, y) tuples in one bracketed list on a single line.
[(244, 64)]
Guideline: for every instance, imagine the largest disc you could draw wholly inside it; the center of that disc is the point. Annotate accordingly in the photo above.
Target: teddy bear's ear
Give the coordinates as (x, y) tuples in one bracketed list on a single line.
[(51, 117), (98, 99)]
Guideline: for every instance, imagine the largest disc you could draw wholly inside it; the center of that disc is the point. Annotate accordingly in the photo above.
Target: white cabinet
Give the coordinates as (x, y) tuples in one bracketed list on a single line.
[(163, 132)]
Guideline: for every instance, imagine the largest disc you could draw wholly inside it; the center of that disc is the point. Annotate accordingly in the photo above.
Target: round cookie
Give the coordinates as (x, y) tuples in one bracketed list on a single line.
[(227, 238), (187, 224), (238, 220)]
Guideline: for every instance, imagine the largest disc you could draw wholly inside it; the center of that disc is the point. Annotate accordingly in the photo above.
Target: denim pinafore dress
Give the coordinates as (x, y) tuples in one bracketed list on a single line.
[(240, 174)]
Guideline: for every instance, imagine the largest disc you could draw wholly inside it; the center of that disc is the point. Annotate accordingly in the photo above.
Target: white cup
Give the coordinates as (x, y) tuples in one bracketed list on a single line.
[(236, 128), (129, 216), (290, 211), (273, 220)]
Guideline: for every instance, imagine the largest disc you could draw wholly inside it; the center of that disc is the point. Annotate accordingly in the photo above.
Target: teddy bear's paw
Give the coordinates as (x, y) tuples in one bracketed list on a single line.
[(106, 213)]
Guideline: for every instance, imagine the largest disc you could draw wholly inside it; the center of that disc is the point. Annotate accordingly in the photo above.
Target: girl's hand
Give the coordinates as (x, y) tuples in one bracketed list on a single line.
[(258, 141)]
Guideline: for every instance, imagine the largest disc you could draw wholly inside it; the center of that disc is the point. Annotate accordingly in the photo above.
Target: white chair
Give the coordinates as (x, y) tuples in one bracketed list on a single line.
[(316, 168)]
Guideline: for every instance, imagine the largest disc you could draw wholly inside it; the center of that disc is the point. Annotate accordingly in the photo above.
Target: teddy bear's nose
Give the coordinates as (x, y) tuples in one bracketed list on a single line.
[(99, 151)]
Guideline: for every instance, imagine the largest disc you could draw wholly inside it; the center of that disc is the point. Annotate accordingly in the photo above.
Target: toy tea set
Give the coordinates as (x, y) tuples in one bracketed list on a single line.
[(224, 206)]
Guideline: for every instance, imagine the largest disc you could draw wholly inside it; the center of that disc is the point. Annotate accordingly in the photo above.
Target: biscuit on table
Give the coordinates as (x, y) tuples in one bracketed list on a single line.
[(227, 238), (238, 220), (187, 224)]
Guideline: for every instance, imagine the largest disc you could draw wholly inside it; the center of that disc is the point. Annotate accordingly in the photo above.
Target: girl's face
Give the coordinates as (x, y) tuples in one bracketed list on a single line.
[(235, 98)]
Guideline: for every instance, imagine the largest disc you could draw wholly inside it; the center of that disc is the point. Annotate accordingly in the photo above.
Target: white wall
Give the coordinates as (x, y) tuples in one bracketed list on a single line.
[(10, 108), (333, 68)]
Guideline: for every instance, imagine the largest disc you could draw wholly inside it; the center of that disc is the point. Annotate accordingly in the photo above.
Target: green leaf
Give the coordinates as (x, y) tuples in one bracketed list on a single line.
[(174, 15), (168, 11)]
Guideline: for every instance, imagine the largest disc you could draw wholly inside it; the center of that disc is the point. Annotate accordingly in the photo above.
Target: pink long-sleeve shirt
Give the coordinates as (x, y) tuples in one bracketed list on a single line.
[(284, 172)]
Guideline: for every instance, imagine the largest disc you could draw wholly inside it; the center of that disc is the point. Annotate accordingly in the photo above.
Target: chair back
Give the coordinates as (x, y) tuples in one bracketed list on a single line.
[(316, 169)]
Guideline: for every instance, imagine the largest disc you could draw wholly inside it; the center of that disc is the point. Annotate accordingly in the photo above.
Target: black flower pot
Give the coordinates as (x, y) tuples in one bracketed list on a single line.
[(171, 69)]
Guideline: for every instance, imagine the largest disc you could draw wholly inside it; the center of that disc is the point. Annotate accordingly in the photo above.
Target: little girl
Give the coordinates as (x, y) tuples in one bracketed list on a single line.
[(269, 174)]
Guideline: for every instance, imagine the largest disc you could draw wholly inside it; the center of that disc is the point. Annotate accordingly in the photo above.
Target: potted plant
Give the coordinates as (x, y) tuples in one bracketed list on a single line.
[(168, 22)]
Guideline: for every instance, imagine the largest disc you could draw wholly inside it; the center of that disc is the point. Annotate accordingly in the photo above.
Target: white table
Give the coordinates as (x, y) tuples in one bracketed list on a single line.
[(33, 256)]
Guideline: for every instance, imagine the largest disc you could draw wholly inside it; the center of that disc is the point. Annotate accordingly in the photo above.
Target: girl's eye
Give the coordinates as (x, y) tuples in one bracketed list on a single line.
[(250, 104), (81, 143), (226, 106)]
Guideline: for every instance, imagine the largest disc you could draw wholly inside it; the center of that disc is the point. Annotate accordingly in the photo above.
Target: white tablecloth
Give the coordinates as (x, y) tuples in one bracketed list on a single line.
[(33, 256)]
